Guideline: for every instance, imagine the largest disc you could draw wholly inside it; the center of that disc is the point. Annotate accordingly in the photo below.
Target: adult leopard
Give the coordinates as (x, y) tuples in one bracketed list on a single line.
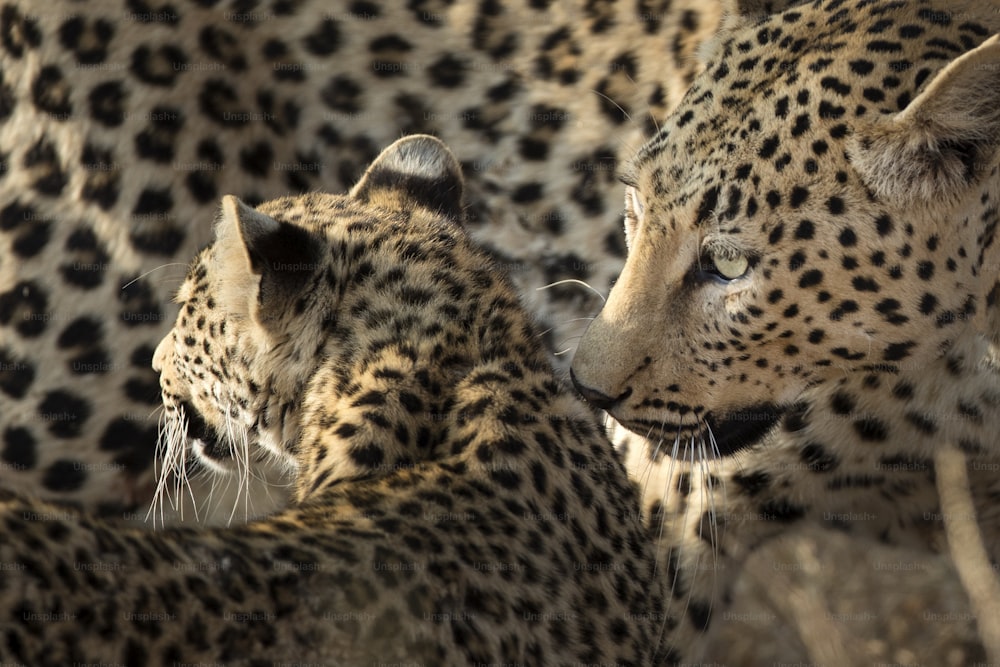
[(808, 311)]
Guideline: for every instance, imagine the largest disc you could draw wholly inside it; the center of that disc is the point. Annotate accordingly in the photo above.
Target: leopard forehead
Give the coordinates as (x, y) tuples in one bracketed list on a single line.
[(770, 121)]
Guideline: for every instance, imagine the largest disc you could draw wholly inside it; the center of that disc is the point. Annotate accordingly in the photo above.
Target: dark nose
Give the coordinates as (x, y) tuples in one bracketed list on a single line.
[(592, 396)]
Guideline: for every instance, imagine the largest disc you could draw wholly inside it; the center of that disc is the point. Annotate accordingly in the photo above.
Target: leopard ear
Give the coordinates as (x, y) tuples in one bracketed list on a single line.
[(417, 170), (943, 141), (265, 264)]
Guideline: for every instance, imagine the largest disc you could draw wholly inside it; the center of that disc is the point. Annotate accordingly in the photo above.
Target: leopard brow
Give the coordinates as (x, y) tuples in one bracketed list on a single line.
[(728, 244)]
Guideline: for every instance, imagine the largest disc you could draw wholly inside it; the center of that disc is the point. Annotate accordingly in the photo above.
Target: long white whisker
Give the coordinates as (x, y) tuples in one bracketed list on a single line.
[(185, 481), (713, 525), (169, 461), (568, 281), (618, 106), (237, 447), (568, 349), (659, 538), (245, 479), (651, 115), (162, 266)]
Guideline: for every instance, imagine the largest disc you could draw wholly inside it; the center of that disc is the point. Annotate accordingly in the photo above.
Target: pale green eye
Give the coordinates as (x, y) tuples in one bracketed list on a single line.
[(730, 267)]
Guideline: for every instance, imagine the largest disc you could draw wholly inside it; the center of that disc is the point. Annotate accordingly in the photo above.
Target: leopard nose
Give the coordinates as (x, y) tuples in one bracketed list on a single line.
[(594, 397)]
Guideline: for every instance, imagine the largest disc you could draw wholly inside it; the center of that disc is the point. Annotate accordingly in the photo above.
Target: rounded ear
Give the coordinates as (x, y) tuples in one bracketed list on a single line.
[(257, 256), (936, 149), (946, 139), (417, 170)]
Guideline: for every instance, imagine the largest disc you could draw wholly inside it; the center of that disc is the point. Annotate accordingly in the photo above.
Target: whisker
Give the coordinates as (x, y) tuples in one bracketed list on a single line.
[(664, 507), (659, 537), (238, 447), (696, 452), (575, 281), (162, 266), (713, 522), (626, 114), (569, 341), (184, 481), (170, 451), (652, 116)]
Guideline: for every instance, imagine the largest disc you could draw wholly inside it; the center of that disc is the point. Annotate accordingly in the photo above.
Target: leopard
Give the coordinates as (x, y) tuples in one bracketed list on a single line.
[(455, 503), (122, 123), (808, 313), (98, 103)]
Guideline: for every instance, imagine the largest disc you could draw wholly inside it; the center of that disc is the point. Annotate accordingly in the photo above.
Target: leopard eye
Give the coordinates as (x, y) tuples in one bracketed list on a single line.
[(730, 267)]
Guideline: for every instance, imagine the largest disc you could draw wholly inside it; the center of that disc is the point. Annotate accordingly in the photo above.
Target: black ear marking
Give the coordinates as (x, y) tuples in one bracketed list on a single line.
[(284, 256), (417, 170)]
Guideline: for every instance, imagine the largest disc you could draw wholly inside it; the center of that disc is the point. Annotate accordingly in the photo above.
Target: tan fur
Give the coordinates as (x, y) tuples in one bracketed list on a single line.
[(910, 157), (454, 504), (279, 101), (860, 177)]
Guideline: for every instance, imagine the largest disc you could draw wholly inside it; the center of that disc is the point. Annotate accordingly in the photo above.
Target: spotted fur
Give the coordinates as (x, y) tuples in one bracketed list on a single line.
[(809, 306), (455, 504), (123, 123)]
